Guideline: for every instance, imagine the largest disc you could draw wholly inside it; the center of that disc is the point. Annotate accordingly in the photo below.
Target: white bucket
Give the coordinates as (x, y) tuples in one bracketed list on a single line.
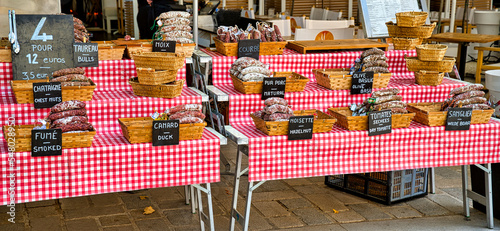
[(493, 85), (487, 22)]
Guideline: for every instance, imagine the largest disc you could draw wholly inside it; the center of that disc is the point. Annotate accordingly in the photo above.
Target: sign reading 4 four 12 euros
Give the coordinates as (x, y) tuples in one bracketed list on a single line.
[(46, 45)]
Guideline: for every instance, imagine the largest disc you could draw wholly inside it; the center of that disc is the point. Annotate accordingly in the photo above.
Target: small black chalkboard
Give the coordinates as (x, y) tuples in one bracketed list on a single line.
[(362, 83), (273, 87), (458, 119), (249, 48), (86, 54), (163, 46), (165, 132), (47, 94), (379, 122), (300, 127), (46, 142)]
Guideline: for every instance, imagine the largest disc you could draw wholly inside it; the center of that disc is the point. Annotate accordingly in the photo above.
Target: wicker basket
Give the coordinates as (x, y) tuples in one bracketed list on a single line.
[(266, 48), (123, 42), (294, 83), (411, 19), (160, 91), (159, 60), (108, 51), (69, 140), (339, 79), (406, 43), (431, 52), (424, 31), (428, 78), (430, 114), (140, 130), (152, 77), (322, 123), (5, 55), (23, 91), (446, 65), (360, 123), (187, 49)]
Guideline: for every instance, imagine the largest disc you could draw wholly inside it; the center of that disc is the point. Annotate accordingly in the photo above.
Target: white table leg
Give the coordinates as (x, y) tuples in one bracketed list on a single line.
[(489, 197), (432, 181), (186, 194), (465, 183)]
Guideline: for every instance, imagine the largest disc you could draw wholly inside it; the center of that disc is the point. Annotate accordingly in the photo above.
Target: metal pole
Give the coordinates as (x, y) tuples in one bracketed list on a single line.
[(465, 17), (465, 185), (489, 198), (349, 9), (195, 23), (261, 7), (283, 6), (447, 9), (452, 18), (223, 4), (250, 4), (439, 18), (135, 9)]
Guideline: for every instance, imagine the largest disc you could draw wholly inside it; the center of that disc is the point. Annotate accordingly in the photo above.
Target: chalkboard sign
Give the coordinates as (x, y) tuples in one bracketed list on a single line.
[(46, 142), (249, 48), (458, 119), (46, 45), (165, 132), (164, 46), (86, 54), (362, 82), (273, 87), (300, 127), (47, 94), (379, 122)]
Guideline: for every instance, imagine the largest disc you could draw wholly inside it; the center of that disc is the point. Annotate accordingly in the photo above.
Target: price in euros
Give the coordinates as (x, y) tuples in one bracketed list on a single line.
[(32, 75)]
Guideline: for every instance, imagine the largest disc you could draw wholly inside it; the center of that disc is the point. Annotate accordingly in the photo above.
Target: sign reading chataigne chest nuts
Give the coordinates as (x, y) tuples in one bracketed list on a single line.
[(249, 48), (165, 132), (46, 94)]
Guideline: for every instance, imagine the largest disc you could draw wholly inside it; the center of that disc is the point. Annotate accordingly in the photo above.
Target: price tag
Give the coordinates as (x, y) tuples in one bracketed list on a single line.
[(300, 127), (458, 119), (165, 132), (273, 87), (46, 142), (46, 45), (47, 94), (164, 46), (249, 48), (86, 54), (379, 122), (362, 83)]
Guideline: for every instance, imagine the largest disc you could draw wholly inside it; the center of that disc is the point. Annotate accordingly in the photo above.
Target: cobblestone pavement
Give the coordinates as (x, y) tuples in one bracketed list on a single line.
[(295, 204)]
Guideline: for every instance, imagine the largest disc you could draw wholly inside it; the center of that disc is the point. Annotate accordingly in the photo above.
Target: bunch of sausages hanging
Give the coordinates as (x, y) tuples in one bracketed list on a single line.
[(174, 26), (387, 99), (468, 96), (264, 32), (81, 34)]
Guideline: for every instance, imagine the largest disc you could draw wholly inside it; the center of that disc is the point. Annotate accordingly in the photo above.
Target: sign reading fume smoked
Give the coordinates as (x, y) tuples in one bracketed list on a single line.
[(46, 45), (379, 122), (86, 54), (46, 95), (362, 83), (273, 87), (249, 48), (458, 119), (164, 46), (165, 132), (46, 142), (300, 127)]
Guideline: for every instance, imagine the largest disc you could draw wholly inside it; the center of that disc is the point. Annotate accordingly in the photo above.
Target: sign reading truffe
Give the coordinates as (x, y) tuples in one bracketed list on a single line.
[(165, 132), (86, 54), (362, 83), (46, 142), (273, 87), (249, 48), (379, 122), (300, 127), (47, 94), (458, 119)]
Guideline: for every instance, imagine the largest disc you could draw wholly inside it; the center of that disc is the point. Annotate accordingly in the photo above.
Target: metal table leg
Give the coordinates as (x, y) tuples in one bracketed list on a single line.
[(432, 181), (235, 216), (204, 219), (486, 200), (465, 184)]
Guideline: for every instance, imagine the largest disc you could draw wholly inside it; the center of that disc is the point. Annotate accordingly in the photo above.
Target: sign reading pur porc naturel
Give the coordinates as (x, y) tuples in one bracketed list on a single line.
[(273, 87)]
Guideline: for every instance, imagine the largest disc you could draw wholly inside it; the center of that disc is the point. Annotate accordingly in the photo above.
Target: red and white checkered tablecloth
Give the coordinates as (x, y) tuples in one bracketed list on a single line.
[(344, 152), (111, 165)]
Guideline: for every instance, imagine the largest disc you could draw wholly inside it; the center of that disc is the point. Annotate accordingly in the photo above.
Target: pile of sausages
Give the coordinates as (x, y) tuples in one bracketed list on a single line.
[(174, 26), (186, 113), (264, 32), (468, 96), (71, 77), (386, 99), (69, 116), (276, 109), (249, 70), (371, 60), (81, 33)]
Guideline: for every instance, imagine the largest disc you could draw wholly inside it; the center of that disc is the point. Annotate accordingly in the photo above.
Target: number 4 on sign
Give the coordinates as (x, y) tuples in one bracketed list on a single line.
[(44, 37)]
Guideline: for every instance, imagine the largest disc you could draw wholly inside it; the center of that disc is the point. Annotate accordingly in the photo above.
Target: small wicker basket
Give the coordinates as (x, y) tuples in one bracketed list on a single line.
[(266, 48), (322, 123), (186, 49), (430, 114), (140, 130), (424, 31), (159, 60), (339, 79), (446, 65), (406, 43), (431, 52), (428, 78), (22, 138), (294, 83), (360, 123), (411, 19), (160, 91), (5, 55), (23, 91), (151, 76), (109, 51)]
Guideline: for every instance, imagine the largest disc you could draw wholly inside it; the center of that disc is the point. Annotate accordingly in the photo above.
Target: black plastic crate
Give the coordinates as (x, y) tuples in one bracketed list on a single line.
[(384, 187)]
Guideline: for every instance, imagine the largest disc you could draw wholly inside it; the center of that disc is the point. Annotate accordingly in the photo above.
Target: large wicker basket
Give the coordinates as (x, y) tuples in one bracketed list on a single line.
[(109, 51), (69, 140), (160, 91), (140, 130), (153, 77), (339, 79), (428, 78), (186, 49), (424, 31), (430, 114), (5, 55), (411, 18), (431, 52), (294, 83), (406, 43), (23, 91), (322, 123), (446, 65), (266, 48), (360, 123), (159, 60)]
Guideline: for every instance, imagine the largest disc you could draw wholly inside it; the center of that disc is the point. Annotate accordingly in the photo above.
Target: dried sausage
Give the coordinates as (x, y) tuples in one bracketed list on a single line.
[(466, 88), (75, 127), (68, 120), (277, 108), (385, 92), (183, 114), (184, 107), (275, 100), (190, 120), (67, 105), (70, 77), (59, 115), (68, 71)]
